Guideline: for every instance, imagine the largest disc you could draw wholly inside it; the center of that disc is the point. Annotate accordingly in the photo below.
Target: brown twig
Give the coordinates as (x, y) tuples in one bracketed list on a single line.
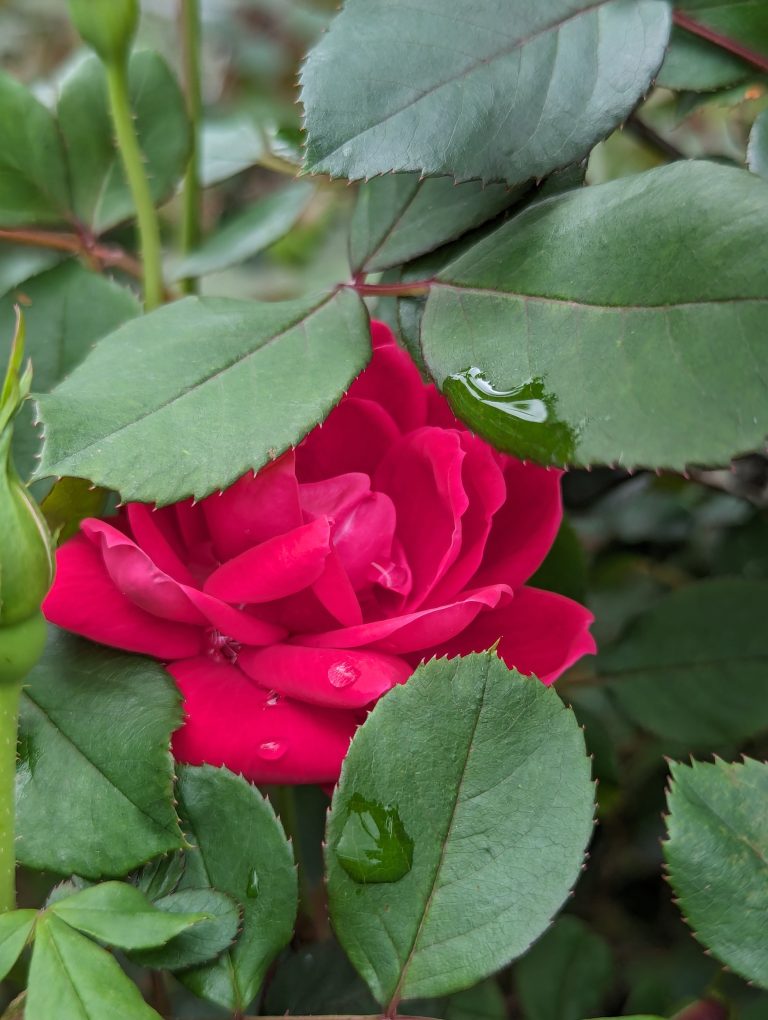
[(723, 41), (415, 289)]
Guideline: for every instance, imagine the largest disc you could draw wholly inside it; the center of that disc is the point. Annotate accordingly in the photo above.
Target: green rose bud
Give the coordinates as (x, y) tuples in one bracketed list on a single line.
[(107, 26), (26, 556)]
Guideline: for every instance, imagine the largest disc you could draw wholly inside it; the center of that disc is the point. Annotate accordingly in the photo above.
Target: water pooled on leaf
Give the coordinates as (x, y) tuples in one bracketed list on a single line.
[(342, 674), (374, 846), (521, 421), (252, 888)]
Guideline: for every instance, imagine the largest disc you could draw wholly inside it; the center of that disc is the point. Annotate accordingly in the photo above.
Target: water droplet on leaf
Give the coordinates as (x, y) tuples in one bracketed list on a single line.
[(374, 846), (342, 674), (521, 421), (271, 750), (252, 888)]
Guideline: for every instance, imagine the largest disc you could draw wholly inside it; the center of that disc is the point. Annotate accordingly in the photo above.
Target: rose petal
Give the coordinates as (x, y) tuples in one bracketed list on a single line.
[(541, 633), (276, 568), (333, 497), (254, 509), (364, 536), (233, 722), (85, 600), (412, 631), (393, 382), (334, 677), (354, 437), (156, 532), (334, 590), (422, 476), (525, 527)]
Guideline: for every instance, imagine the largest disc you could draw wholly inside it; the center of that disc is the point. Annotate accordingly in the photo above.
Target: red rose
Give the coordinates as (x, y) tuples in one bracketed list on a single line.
[(288, 604)]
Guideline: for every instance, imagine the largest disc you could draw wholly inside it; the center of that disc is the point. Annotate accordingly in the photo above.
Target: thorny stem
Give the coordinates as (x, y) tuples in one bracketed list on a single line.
[(189, 24), (133, 163), (723, 41), (10, 694)]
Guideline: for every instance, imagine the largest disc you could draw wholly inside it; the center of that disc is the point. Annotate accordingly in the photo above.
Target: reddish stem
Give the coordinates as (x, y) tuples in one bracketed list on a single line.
[(723, 41), (415, 289)]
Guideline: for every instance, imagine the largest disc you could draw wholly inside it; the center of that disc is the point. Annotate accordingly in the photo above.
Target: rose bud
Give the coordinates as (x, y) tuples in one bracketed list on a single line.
[(107, 26)]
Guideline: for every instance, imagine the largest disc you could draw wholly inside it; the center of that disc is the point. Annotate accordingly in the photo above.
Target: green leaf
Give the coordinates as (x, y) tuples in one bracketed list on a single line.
[(161, 876), (68, 309), (566, 974), (757, 151), (100, 194), (201, 391), (240, 850), (33, 190), (248, 232), (69, 503), (71, 978), (579, 333), (15, 929), (743, 21), (717, 854), (565, 568), (692, 669), (19, 262), (400, 217), (440, 874), (487, 91), (94, 791), (121, 915), (695, 65), (202, 943), (228, 146)]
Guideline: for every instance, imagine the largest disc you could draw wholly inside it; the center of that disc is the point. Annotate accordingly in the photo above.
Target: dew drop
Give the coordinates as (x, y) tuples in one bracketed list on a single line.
[(272, 699), (342, 674), (374, 846), (271, 750), (252, 888)]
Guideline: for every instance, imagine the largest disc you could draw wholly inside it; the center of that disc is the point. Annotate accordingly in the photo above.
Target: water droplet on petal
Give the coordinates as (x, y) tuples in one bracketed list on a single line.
[(252, 888), (272, 699), (271, 750), (342, 674), (374, 846)]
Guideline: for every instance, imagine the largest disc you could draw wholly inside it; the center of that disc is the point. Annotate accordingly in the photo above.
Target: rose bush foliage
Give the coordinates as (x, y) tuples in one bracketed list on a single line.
[(288, 604)]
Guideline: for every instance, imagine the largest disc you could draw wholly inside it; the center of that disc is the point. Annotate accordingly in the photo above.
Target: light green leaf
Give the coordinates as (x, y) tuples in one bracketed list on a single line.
[(248, 232), (584, 331), (440, 874), (228, 146), (692, 669), (19, 262), (400, 217), (93, 791), (100, 194), (240, 850), (695, 65), (71, 978), (490, 91), (33, 189), (121, 915), (15, 929), (717, 855), (566, 974), (68, 309), (202, 943), (201, 391), (757, 151)]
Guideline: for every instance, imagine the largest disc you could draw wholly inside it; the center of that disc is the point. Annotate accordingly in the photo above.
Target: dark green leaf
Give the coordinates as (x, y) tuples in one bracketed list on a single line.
[(100, 194), (717, 853), (692, 669), (566, 974), (201, 391), (19, 262), (695, 65), (743, 21), (757, 151), (582, 331), (161, 876), (204, 941), (33, 189), (94, 782), (453, 867), (120, 915), (15, 929), (71, 978), (248, 232), (71, 501), (66, 310), (228, 146), (241, 850), (399, 217), (490, 91), (565, 569)]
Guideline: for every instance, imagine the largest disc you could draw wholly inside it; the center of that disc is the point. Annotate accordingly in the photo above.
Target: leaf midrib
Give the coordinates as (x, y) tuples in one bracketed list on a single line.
[(466, 72)]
